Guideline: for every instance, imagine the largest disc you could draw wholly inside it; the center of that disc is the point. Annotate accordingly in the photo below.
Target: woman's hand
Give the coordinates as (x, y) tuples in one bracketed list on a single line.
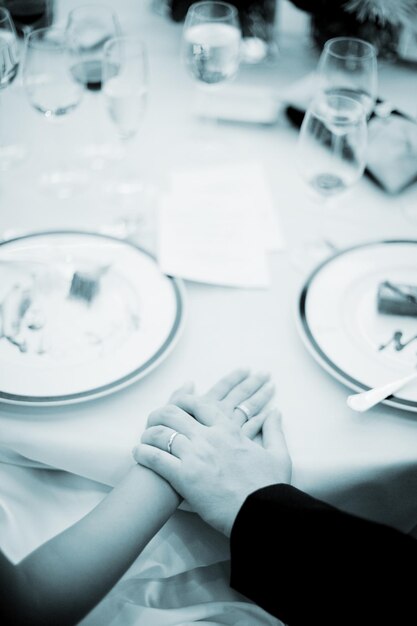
[(240, 396), (211, 462)]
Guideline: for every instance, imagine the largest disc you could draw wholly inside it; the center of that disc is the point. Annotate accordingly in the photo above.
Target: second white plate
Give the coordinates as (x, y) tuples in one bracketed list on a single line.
[(340, 324)]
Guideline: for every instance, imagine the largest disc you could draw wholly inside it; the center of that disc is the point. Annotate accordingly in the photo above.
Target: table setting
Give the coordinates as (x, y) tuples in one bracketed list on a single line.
[(168, 216)]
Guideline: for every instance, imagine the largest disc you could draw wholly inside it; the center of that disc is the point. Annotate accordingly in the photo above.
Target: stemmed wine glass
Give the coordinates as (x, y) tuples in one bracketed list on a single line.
[(52, 90), (332, 144), (348, 67), (211, 43), (88, 28), (125, 91), (9, 64), (331, 158)]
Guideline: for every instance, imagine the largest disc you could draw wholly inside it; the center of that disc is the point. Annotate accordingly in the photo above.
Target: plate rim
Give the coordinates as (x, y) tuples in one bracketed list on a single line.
[(308, 338), (123, 382)]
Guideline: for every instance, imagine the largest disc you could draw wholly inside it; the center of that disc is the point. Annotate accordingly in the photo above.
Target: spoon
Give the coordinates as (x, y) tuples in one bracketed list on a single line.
[(367, 399)]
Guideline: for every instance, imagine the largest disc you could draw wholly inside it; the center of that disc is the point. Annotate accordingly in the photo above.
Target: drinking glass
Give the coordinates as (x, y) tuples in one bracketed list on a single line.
[(348, 67), (125, 90), (211, 43), (52, 90), (89, 27), (332, 144), (9, 64), (331, 156)]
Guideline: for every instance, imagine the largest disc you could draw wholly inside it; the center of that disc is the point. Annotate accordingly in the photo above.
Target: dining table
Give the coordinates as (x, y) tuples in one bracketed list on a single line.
[(59, 461)]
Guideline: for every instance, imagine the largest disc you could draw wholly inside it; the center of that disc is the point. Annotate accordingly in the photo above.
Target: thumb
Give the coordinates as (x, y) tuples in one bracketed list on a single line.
[(273, 437), (186, 388)]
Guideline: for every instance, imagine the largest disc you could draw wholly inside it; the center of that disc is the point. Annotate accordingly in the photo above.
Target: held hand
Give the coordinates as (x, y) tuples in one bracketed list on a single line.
[(240, 396), (211, 463)]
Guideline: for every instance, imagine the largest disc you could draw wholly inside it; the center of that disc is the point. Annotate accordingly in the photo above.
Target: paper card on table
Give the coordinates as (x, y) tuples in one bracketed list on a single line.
[(203, 240), (246, 183)]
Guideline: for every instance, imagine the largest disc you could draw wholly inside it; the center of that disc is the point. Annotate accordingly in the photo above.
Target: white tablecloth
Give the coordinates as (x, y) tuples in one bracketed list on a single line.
[(363, 463)]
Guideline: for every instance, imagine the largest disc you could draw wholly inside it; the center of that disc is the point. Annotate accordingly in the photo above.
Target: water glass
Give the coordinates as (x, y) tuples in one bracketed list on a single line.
[(332, 144), (53, 92), (348, 67), (211, 42)]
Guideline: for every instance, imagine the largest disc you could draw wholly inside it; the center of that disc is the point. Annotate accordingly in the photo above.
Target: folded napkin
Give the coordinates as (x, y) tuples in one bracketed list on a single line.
[(392, 152)]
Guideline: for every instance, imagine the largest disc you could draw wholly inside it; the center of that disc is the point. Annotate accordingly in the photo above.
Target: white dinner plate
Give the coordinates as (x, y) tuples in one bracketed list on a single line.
[(341, 326), (81, 316)]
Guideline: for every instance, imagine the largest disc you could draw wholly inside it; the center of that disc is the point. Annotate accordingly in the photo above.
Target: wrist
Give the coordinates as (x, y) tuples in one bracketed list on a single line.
[(144, 476)]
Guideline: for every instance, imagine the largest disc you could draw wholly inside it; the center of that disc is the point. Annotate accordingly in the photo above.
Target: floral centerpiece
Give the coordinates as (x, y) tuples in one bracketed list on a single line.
[(378, 21)]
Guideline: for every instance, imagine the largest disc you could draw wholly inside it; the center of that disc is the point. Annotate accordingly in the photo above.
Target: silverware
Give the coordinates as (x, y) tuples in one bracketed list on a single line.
[(365, 400)]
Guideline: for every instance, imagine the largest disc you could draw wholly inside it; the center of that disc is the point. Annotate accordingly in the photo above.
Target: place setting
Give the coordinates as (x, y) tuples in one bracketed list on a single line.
[(82, 315), (216, 224)]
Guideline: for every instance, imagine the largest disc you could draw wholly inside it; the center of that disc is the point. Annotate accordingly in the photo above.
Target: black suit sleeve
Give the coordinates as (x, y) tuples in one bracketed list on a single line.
[(308, 563)]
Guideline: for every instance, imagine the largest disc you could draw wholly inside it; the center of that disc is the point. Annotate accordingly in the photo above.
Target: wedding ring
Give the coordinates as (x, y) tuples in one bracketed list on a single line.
[(170, 440), (242, 407)]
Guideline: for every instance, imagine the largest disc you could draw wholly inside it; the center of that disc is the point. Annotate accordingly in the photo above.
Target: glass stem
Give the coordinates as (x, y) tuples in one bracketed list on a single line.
[(129, 156)]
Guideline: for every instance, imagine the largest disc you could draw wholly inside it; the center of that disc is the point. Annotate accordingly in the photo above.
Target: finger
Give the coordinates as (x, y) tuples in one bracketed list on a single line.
[(166, 439), (255, 404), (166, 465), (186, 388), (205, 413), (226, 384), (175, 418), (244, 390), (273, 437), (253, 427)]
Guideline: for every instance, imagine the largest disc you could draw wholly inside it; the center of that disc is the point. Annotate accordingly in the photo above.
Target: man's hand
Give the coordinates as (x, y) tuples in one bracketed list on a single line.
[(212, 463)]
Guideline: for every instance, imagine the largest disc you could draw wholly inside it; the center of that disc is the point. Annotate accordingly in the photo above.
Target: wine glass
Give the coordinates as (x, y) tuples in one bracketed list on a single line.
[(9, 64), (53, 92), (332, 144), (211, 43), (125, 91), (348, 67), (89, 27), (331, 157)]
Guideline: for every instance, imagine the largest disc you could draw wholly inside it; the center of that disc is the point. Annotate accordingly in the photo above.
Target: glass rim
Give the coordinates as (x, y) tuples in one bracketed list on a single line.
[(206, 3), (361, 113), (33, 36), (370, 48), (92, 5)]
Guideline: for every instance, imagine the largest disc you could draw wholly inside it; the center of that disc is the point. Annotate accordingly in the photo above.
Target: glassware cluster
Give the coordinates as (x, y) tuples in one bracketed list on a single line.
[(333, 137)]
